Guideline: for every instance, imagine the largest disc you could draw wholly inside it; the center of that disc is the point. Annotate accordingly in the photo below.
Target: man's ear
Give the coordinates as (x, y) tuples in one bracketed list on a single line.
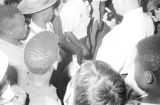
[(148, 77)]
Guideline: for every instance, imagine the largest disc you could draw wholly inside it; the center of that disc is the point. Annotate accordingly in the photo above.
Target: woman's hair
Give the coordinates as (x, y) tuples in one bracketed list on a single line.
[(97, 83)]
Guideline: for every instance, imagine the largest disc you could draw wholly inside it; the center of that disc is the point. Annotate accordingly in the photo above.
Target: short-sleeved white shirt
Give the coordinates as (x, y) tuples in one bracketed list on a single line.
[(119, 46), (74, 18)]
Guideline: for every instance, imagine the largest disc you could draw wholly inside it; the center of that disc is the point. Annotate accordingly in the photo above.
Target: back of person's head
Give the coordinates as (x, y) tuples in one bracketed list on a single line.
[(96, 83), (123, 6), (147, 64), (42, 52)]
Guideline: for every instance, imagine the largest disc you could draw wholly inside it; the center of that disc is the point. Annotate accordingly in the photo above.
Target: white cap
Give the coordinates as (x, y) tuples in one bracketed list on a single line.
[(3, 64)]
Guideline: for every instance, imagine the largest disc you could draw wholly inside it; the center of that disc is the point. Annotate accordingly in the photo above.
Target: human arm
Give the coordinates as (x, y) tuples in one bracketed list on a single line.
[(108, 18), (102, 11), (72, 38)]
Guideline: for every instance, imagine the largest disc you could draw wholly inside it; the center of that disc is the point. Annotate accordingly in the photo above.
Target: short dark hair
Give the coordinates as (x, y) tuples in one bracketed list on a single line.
[(148, 55), (99, 84), (41, 52), (9, 2), (7, 14)]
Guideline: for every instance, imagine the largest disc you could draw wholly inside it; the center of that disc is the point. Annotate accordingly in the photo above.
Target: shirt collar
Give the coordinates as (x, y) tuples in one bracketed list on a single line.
[(38, 29)]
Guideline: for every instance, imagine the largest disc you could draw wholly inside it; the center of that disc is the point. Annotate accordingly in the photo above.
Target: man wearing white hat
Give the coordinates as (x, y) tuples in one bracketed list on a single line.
[(10, 95), (42, 12)]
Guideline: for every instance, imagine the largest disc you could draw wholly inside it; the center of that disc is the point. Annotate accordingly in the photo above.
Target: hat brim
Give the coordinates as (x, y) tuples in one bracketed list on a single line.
[(26, 10)]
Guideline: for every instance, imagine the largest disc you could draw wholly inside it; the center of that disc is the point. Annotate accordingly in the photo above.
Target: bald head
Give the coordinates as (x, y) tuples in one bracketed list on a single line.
[(41, 52)]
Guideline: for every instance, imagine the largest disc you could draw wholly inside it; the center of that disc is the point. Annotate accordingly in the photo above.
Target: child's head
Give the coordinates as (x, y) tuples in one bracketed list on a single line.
[(147, 64), (96, 83), (42, 53)]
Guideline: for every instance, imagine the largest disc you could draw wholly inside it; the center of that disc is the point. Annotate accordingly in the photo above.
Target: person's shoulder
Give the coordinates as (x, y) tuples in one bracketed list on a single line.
[(70, 8), (148, 23)]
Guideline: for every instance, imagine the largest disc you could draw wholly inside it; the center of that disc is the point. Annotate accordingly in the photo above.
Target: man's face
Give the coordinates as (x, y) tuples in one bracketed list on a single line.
[(49, 13), (20, 28)]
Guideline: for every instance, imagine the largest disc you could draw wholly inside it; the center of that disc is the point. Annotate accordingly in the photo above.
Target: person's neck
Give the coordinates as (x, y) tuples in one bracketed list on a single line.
[(39, 20), (153, 97), (39, 80), (12, 41)]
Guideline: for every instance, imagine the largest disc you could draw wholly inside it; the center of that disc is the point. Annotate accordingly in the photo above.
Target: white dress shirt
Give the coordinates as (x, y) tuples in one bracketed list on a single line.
[(74, 18)]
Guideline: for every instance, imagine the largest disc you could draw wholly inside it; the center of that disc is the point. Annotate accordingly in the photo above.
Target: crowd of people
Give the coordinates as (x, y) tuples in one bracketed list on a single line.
[(79, 52)]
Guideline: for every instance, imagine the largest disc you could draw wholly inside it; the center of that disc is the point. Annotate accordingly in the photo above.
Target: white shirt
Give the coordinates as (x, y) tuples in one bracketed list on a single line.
[(34, 29), (74, 18), (119, 46), (16, 59), (95, 5)]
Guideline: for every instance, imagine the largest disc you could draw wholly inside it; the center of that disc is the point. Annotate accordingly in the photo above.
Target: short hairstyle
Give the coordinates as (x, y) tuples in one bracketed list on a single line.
[(98, 84), (9, 2), (41, 52), (148, 55), (7, 14)]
